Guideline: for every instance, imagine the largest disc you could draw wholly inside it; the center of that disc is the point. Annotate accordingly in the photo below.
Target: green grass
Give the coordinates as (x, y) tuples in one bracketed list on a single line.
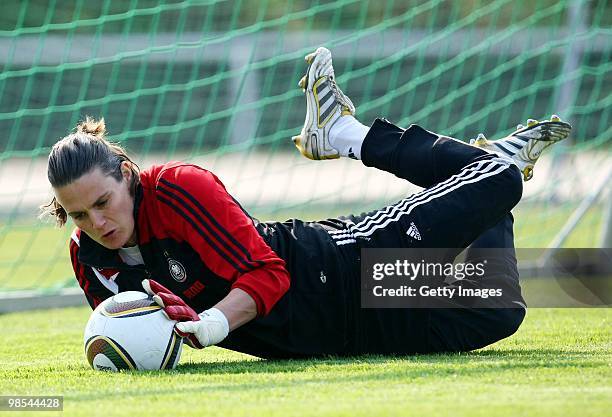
[(34, 256), (558, 363)]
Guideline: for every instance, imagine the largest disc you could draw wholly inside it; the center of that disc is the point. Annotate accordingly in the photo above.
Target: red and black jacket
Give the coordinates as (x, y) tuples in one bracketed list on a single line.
[(195, 239)]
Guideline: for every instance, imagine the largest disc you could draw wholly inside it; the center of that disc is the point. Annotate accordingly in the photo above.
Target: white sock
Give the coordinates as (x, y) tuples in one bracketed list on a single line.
[(347, 136)]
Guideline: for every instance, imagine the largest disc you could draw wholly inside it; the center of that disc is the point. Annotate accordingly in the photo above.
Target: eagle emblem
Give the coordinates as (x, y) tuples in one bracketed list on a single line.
[(177, 270)]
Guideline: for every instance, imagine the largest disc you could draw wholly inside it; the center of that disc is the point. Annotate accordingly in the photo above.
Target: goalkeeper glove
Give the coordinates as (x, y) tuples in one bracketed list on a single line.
[(199, 330)]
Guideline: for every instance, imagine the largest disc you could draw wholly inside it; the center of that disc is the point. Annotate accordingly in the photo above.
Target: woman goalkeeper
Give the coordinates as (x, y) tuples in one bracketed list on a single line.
[(292, 289)]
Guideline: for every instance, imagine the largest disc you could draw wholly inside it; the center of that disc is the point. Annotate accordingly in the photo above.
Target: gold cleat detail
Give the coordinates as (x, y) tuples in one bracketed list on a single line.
[(310, 57), (527, 173), (555, 118), (297, 141), (481, 140), (531, 122), (302, 83)]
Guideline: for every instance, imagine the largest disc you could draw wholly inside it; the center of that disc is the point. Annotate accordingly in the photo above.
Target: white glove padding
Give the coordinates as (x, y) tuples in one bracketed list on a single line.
[(212, 328)]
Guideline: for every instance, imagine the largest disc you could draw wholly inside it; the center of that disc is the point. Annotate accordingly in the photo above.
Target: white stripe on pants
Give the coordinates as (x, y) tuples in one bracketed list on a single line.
[(472, 173)]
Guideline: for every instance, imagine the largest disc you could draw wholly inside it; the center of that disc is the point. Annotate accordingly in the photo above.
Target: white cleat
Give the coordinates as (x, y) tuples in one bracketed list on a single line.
[(525, 145), (325, 104)]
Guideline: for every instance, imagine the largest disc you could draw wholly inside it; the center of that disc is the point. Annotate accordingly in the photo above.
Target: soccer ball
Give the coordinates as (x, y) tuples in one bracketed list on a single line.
[(130, 331)]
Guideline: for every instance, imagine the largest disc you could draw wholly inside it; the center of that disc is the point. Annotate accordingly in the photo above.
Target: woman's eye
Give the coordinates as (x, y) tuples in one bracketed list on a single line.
[(102, 203), (78, 216)]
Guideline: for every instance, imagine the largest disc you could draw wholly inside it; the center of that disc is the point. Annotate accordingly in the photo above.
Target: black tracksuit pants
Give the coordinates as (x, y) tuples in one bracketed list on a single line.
[(467, 201)]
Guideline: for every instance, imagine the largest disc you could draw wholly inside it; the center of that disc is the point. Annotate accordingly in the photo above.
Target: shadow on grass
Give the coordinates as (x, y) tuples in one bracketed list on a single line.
[(494, 359)]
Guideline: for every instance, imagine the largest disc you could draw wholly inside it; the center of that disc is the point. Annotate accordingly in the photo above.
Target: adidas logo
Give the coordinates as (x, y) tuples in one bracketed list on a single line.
[(413, 232)]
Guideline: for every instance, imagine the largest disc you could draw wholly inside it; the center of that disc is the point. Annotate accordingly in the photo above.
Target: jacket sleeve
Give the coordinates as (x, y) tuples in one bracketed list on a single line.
[(196, 205), (94, 291)]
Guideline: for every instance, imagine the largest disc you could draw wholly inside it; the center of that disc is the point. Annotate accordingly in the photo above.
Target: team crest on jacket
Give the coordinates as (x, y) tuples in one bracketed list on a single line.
[(177, 270)]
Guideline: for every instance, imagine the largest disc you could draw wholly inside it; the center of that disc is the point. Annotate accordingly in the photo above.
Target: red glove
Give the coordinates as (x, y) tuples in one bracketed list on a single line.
[(174, 307)]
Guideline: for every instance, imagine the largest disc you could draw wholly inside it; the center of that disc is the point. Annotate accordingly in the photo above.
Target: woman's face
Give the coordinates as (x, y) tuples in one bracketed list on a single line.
[(101, 206)]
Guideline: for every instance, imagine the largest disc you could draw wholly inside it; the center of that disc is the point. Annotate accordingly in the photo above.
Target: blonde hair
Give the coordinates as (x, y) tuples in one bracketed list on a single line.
[(78, 154)]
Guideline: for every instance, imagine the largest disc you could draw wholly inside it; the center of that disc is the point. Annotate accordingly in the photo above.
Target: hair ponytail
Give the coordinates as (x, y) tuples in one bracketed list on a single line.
[(92, 127)]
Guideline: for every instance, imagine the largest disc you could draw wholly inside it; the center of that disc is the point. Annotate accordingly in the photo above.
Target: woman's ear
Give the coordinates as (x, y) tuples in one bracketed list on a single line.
[(126, 170)]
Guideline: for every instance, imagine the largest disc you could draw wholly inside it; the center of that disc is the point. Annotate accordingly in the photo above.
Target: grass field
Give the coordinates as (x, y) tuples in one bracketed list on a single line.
[(558, 363)]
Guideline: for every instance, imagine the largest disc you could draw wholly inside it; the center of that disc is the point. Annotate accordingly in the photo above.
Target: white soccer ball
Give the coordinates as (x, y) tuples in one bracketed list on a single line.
[(130, 331)]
